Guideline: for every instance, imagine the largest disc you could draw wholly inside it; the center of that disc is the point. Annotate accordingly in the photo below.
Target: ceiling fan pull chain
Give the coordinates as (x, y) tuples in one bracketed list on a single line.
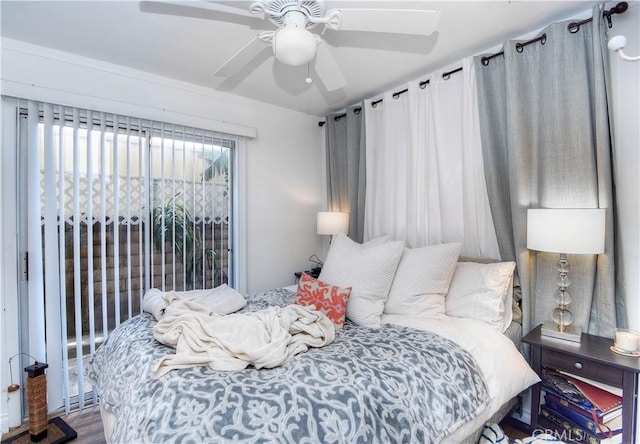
[(308, 79)]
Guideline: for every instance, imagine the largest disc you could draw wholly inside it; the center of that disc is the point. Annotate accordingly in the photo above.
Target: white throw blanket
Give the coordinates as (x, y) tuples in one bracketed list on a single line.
[(221, 300), (265, 339)]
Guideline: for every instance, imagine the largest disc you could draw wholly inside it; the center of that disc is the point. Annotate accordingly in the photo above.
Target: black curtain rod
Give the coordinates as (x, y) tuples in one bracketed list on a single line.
[(572, 27), (356, 110), (447, 75), (519, 47), (395, 95), (620, 8), (423, 84)]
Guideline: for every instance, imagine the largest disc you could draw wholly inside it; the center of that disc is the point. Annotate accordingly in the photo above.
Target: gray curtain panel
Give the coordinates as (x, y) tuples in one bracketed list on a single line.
[(547, 144), (346, 166)]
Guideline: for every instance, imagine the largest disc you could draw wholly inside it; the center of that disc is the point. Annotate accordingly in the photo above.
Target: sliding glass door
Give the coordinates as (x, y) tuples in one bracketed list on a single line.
[(113, 206)]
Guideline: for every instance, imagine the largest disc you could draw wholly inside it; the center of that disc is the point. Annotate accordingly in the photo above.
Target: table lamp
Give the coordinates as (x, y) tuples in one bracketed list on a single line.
[(565, 231), (332, 222)]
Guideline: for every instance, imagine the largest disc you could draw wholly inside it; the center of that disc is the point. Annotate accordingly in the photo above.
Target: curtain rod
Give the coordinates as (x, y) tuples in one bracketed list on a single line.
[(620, 8), (423, 84), (395, 95), (356, 110), (519, 47), (572, 27)]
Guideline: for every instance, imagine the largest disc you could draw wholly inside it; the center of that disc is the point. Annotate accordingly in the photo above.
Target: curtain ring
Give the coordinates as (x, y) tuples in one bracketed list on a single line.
[(485, 61), (519, 47), (357, 110), (423, 85), (573, 27), (446, 76), (543, 39)]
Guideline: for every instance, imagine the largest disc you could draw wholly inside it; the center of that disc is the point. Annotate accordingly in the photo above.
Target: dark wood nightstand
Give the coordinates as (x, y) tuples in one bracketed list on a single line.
[(591, 358), (314, 273)]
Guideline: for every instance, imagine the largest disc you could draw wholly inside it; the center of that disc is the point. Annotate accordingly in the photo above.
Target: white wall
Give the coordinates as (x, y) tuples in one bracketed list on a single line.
[(625, 78), (283, 158), (284, 162)]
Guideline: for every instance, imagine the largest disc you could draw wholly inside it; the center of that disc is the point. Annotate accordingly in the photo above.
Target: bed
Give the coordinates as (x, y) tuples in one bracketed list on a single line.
[(407, 378)]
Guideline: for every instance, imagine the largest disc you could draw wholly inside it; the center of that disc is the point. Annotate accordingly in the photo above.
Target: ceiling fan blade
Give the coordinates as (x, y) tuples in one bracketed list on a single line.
[(203, 10), (244, 11), (241, 58), (395, 21), (327, 69), (212, 6)]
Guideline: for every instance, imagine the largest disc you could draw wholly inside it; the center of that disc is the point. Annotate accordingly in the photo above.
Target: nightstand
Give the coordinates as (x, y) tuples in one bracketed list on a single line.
[(314, 273), (591, 358)]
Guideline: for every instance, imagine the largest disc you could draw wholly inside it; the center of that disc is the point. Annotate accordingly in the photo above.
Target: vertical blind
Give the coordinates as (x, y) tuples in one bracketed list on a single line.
[(116, 205)]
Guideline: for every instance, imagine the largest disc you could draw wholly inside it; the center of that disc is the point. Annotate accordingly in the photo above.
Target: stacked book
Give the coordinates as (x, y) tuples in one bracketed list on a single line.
[(583, 410)]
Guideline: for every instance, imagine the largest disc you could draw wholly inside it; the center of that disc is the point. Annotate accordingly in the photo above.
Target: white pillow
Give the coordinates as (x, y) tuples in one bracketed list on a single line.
[(368, 269), (422, 280), (480, 291)]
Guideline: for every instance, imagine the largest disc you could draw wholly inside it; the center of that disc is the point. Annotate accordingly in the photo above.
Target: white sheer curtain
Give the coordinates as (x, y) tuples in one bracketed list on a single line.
[(425, 174)]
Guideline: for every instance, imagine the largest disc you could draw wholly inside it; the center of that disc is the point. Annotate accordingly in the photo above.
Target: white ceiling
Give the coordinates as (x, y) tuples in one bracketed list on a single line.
[(191, 45)]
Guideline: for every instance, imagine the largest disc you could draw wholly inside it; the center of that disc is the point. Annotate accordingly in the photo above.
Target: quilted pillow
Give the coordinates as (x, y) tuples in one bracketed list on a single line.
[(481, 291), (329, 299), (368, 269), (422, 280)]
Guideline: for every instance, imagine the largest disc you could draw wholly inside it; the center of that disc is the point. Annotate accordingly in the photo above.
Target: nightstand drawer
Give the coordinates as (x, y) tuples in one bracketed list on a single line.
[(582, 367)]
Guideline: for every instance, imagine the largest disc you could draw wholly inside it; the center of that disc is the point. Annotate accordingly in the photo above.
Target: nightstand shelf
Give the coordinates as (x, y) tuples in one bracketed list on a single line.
[(591, 358)]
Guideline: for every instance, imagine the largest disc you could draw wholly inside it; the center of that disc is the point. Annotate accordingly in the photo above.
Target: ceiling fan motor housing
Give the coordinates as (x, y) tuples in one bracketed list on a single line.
[(277, 10)]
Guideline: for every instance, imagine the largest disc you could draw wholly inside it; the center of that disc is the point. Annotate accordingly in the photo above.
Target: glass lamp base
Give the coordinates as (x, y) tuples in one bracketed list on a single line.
[(571, 333)]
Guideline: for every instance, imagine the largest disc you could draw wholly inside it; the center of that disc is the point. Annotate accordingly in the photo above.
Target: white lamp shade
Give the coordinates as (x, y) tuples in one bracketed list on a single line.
[(294, 45), (333, 222), (571, 231)]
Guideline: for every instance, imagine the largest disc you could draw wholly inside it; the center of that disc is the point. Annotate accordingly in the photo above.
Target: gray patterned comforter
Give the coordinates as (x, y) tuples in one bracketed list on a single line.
[(391, 384)]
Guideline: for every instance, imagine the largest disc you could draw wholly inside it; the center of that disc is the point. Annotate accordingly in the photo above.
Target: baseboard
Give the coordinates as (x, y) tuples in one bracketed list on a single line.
[(4, 424)]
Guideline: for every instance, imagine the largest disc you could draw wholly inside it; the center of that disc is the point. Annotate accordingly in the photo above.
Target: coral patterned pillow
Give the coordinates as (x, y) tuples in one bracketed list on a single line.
[(329, 299)]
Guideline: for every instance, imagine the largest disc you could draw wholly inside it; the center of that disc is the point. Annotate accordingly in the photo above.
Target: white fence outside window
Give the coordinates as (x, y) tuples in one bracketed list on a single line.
[(123, 205)]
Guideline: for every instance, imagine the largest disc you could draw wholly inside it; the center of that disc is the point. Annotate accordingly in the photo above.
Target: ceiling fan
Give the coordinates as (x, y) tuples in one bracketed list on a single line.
[(294, 44)]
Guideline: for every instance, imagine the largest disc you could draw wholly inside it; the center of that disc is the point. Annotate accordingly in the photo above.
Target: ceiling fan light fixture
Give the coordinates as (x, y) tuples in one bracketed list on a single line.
[(294, 46)]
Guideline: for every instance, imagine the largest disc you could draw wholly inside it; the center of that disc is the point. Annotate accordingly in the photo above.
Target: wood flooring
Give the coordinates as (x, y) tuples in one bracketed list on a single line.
[(87, 423)]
